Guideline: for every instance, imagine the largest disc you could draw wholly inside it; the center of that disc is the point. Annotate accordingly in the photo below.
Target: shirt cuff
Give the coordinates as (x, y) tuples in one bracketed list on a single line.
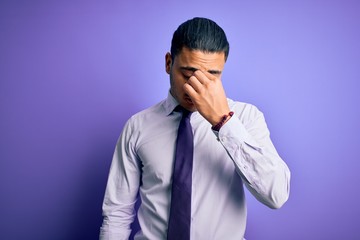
[(234, 129)]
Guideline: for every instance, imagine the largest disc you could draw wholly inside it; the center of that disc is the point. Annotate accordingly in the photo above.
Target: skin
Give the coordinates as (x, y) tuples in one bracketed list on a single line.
[(195, 82)]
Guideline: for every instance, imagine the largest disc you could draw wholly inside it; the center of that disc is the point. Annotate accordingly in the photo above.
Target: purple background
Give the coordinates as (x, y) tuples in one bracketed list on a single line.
[(71, 73)]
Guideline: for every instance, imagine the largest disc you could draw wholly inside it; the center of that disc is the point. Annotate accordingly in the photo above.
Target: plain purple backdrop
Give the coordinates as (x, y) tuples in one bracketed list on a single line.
[(72, 72)]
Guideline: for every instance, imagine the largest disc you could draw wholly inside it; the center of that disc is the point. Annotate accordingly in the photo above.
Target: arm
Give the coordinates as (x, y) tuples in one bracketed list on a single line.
[(121, 191), (256, 160)]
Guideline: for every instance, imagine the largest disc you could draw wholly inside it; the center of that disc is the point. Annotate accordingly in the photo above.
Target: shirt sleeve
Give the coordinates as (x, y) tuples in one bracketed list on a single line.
[(256, 160), (121, 190)]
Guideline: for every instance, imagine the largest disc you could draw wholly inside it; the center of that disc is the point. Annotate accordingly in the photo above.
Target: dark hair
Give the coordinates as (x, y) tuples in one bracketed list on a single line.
[(199, 34)]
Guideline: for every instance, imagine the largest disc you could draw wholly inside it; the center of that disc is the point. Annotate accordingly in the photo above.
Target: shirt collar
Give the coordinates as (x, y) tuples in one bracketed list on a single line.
[(170, 104)]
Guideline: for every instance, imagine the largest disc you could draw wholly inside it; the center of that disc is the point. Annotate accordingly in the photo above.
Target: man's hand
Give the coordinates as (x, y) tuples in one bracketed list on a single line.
[(208, 95)]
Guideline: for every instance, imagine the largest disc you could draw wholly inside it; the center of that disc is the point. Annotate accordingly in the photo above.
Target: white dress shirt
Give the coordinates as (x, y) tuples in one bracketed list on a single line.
[(240, 153)]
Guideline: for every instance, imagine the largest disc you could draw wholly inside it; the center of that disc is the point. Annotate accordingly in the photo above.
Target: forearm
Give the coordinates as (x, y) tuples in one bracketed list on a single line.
[(263, 171), (116, 221)]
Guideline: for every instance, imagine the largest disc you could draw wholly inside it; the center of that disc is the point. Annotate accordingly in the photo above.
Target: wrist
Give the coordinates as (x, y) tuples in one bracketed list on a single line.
[(223, 120)]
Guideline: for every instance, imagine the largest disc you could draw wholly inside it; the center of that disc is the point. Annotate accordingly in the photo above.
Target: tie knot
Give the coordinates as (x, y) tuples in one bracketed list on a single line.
[(185, 113)]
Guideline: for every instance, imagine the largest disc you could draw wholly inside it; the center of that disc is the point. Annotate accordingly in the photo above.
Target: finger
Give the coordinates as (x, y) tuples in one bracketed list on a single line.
[(204, 76), (189, 90), (195, 83), (210, 76), (200, 76)]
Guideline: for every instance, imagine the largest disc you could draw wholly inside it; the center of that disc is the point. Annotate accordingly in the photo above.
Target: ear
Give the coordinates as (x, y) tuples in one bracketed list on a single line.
[(168, 62)]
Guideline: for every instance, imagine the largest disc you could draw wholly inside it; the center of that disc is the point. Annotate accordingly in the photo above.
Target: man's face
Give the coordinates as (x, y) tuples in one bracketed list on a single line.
[(185, 64)]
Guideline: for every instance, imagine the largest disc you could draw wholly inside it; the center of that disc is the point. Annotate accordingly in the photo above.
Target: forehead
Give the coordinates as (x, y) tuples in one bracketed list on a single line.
[(200, 60)]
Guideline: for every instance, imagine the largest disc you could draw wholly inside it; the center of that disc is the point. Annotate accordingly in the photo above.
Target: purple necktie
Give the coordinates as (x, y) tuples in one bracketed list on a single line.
[(180, 209)]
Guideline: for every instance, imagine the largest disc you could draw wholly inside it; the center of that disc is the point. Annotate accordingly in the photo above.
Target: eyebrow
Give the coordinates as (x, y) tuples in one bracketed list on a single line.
[(192, 69)]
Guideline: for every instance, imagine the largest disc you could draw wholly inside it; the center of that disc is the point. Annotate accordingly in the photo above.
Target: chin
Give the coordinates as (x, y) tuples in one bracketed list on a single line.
[(189, 106)]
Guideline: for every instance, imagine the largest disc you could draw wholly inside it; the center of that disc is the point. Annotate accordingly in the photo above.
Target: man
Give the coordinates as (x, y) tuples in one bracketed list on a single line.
[(230, 147)]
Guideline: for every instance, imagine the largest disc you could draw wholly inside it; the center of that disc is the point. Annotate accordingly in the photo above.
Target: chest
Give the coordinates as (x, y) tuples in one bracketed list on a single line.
[(156, 151)]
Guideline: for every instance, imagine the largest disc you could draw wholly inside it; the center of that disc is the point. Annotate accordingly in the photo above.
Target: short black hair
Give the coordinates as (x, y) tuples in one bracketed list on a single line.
[(199, 34)]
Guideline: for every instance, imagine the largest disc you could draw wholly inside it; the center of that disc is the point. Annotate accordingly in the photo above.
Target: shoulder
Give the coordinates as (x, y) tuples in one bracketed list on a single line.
[(147, 116), (148, 125)]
